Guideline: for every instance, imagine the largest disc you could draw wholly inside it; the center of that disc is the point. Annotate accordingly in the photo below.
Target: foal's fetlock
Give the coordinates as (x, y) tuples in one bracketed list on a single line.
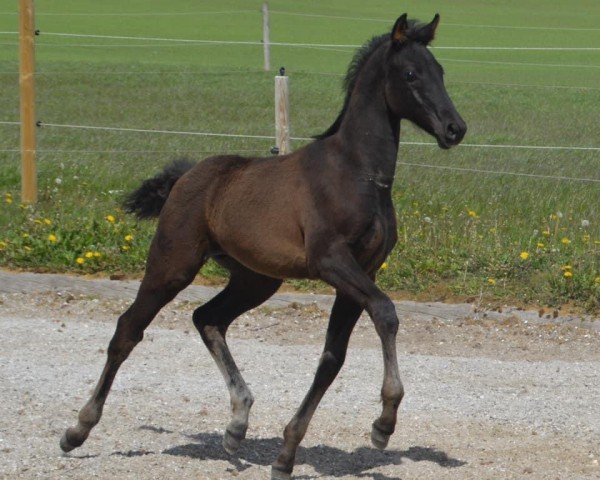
[(380, 436), (75, 436), (232, 439)]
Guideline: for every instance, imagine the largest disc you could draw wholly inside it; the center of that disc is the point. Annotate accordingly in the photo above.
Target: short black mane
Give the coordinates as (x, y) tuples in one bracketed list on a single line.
[(357, 63)]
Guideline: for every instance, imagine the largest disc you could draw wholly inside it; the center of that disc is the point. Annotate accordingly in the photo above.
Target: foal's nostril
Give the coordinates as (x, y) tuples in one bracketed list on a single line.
[(452, 132)]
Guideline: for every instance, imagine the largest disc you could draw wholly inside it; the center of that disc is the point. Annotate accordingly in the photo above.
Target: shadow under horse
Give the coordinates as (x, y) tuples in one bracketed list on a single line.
[(322, 212)]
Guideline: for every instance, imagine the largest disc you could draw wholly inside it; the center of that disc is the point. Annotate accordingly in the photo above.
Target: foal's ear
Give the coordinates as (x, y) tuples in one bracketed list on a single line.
[(426, 34), (399, 30)]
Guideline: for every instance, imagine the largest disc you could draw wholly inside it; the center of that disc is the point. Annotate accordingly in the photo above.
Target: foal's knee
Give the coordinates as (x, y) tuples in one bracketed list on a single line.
[(383, 314)]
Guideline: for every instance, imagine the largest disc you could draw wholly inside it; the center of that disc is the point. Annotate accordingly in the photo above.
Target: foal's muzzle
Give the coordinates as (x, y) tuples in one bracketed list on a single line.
[(452, 134)]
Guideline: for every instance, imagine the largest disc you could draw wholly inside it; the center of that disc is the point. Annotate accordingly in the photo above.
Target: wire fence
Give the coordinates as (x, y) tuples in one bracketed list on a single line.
[(160, 42)]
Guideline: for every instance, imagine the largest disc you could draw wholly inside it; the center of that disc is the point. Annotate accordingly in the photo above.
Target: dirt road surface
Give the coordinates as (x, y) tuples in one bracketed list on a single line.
[(488, 396)]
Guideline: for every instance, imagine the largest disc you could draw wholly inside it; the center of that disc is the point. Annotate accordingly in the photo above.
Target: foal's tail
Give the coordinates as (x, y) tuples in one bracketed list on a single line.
[(148, 200)]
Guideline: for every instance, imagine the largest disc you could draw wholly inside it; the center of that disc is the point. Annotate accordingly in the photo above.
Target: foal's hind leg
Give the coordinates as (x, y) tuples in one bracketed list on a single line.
[(168, 272), (344, 314), (245, 290)]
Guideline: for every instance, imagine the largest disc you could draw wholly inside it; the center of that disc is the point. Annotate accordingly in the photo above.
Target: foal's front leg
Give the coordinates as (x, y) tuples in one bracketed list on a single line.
[(344, 314), (341, 270)]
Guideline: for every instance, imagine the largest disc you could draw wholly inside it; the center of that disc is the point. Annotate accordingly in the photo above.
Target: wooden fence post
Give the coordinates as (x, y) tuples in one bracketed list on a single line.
[(266, 41), (26, 84), (282, 115)]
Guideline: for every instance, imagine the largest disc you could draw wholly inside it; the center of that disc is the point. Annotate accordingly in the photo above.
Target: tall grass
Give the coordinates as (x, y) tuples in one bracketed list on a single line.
[(461, 233)]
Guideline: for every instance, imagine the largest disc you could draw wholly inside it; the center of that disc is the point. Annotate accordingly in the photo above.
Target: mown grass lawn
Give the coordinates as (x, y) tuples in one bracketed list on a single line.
[(462, 232)]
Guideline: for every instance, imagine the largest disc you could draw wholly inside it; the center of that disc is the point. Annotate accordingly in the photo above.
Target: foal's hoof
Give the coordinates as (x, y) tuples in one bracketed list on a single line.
[(277, 474), (68, 443), (379, 438), (232, 441)]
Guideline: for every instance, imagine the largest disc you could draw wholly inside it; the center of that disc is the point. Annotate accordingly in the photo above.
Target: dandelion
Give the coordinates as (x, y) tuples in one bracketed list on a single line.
[(8, 198), (568, 274), (27, 249), (540, 245), (79, 261), (110, 219), (472, 213), (97, 254), (427, 220), (52, 238), (25, 235), (553, 216), (546, 233), (585, 223), (124, 247), (89, 255), (384, 266), (491, 281), (58, 180), (597, 280), (566, 268), (565, 241), (586, 238), (2, 245), (129, 238), (559, 214), (524, 255), (47, 221)]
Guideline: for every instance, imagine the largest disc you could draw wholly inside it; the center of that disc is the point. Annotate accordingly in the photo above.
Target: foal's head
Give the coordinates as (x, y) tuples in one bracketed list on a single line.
[(414, 85)]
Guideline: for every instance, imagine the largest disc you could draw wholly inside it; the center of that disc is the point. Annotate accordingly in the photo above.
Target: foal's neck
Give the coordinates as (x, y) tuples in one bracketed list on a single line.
[(369, 131)]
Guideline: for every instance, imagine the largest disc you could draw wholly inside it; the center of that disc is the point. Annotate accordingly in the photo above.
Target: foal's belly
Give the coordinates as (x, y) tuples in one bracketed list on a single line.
[(271, 244)]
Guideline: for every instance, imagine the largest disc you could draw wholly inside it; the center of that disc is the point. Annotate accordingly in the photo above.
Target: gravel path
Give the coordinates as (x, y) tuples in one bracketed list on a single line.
[(478, 408)]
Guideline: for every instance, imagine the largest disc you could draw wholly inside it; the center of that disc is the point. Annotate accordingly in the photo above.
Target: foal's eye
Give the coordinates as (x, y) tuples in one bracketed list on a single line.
[(410, 76)]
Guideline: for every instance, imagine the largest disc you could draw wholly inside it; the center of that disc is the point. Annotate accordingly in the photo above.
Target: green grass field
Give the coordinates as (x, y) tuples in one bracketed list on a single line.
[(462, 233)]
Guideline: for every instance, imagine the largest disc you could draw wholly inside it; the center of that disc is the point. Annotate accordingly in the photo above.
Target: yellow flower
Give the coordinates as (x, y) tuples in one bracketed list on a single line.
[(79, 261), (568, 274), (97, 254), (8, 199), (565, 241), (546, 233), (493, 230), (384, 266), (540, 245), (52, 238), (25, 235), (89, 255), (472, 213), (129, 238), (586, 238), (597, 280), (124, 247), (524, 255), (491, 281), (596, 242), (47, 221), (3, 246), (566, 267), (27, 249), (110, 219)]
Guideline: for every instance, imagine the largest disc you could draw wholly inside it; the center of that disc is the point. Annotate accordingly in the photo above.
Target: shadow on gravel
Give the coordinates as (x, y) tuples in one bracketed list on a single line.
[(324, 459)]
